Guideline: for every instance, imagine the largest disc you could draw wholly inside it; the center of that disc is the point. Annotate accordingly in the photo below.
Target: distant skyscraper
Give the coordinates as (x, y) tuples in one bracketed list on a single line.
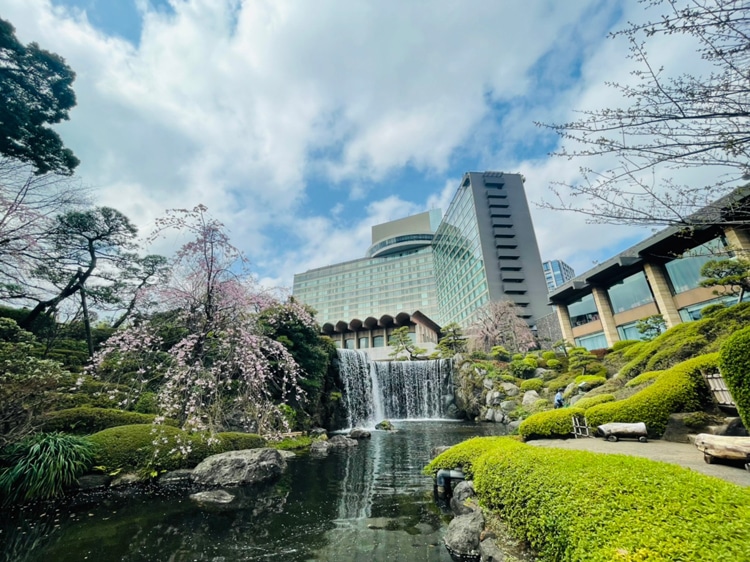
[(557, 272)]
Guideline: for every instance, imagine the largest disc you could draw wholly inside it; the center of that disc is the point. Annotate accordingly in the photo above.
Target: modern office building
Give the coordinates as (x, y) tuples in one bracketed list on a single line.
[(486, 250), (424, 271), (557, 272), (660, 275)]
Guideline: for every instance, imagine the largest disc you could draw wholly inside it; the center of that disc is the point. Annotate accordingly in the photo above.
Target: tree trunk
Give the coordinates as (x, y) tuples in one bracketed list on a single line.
[(723, 446)]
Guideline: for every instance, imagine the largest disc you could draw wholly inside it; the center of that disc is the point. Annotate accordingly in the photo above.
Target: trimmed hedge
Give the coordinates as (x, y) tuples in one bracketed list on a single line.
[(86, 420), (734, 363), (465, 454), (131, 447), (622, 344), (643, 378), (552, 423), (679, 389), (591, 380), (591, 401), (588, 507), (532, 384)]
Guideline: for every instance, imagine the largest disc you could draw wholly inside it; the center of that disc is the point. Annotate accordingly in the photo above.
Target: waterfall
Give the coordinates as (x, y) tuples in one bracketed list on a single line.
[(394, 390)]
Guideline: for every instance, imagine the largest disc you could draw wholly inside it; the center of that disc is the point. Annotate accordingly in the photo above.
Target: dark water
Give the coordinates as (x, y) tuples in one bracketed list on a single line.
[(370, 502)]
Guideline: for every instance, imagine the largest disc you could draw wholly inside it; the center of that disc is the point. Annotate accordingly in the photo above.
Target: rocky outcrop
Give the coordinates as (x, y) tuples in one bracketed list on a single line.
[(237, 468), (530, 398), (358, 433), (461, 493), (212, 497), (341, 442), (320, 448), (385, 425), (462, 537)]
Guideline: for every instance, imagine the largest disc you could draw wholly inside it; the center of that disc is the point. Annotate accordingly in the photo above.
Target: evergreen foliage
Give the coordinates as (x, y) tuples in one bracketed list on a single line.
[(734, 363)]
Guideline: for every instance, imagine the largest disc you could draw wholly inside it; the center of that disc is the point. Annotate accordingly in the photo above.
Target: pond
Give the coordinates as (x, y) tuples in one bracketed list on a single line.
[(369, 502)]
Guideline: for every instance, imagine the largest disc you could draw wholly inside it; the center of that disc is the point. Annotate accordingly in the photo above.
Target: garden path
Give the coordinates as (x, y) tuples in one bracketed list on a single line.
[(683, 454)]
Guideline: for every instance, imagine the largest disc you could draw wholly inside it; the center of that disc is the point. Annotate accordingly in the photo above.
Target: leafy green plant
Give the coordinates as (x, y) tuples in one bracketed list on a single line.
[(85, 420), (734, 363), (532, 384), (549, 424), (679, 389), (643, 378), (43, 465), (622, 344), (589, 402), (554, 364), (591, 380)]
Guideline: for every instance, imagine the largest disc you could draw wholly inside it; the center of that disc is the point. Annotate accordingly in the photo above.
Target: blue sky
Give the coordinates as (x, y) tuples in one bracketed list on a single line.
[(301, 124)]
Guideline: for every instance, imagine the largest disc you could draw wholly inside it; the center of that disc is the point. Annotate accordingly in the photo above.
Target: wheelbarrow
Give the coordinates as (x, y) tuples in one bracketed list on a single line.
[(615, 431)]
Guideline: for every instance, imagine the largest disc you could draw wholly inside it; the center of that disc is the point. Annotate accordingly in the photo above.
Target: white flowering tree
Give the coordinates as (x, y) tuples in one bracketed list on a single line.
[(222, 371)]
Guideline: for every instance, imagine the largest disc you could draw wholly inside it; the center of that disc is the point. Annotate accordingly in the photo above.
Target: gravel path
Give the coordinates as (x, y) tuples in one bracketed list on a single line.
[(682, 454)]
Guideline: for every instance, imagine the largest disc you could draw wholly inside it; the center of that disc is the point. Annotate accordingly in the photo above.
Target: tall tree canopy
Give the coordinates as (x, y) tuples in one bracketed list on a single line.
[(671, 121), (36, 91)]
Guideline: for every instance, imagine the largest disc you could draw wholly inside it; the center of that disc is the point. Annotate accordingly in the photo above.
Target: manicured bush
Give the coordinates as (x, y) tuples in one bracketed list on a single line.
[(734, 363), (522, 368), (465, 454), (549, 424), (235, 441), (591, 401), (555, 364), (561, 382), (679, 389), (591, 380), (532, 384), (147, 403), (587, 507), (85, 420), (547, 355), (132, 447), (622, 344), (685, 340), (42, 466), (643, 378)]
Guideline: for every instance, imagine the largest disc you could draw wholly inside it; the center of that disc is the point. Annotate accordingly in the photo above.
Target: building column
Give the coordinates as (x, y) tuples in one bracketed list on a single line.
[(563, 317), (605, 315), (659, 284), (738, 239)]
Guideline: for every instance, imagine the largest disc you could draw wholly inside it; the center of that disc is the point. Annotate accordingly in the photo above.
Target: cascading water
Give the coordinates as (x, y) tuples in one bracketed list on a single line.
[(394, 390)]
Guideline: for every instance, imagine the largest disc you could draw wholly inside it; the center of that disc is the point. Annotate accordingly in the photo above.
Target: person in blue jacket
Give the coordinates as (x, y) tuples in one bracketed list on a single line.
[(559, 399)]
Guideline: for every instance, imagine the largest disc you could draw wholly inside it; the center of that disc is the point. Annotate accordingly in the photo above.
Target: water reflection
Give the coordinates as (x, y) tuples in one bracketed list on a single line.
[(368, 501)]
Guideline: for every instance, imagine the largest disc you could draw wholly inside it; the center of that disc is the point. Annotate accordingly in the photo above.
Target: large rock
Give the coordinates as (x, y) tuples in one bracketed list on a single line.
[(490, 552), (93, 481), (529, 398), (179, 477), (341, 442), (462, 537), (489, 415), (463, 491), (358, 433), (212, 496), (508, 405), (237, 468), (320, 448), (510, 389), (494, 398)]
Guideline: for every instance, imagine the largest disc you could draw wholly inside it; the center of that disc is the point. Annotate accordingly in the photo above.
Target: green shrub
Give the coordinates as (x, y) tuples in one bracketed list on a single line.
[(632, 351), (541, 405), (590, 401), (622, 344), (711, 309), (555, 364), (235, 441), (734, 363), (522, 368), (549, 424), (547, 355), (532, 384), (587, 507), (644, 378), (147, 403), (478, 355), (679, 389), (292, 443), (42, 466), (132, 447), (517, 357), (85, 420), (464, 454), (591, 380), (560, 382)]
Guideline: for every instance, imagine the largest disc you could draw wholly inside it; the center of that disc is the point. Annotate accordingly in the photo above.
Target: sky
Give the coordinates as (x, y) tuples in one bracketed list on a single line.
[(300, 124)]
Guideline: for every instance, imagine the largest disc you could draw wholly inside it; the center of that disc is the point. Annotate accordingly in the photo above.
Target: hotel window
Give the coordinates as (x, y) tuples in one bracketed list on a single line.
[(364, 342), (378, 341), (594, 341), (631, 292), (583, 311), (685, 272)]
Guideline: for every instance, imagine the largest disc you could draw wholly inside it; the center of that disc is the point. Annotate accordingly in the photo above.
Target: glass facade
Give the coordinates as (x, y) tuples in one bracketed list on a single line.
[(685, 272), (631, 292), (593, 341), (460, 277), (583, 311), (556, 273), (402, 282)]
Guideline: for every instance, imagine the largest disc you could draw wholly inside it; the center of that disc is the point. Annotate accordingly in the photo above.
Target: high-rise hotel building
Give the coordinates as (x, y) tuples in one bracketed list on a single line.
[(483, 249)]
